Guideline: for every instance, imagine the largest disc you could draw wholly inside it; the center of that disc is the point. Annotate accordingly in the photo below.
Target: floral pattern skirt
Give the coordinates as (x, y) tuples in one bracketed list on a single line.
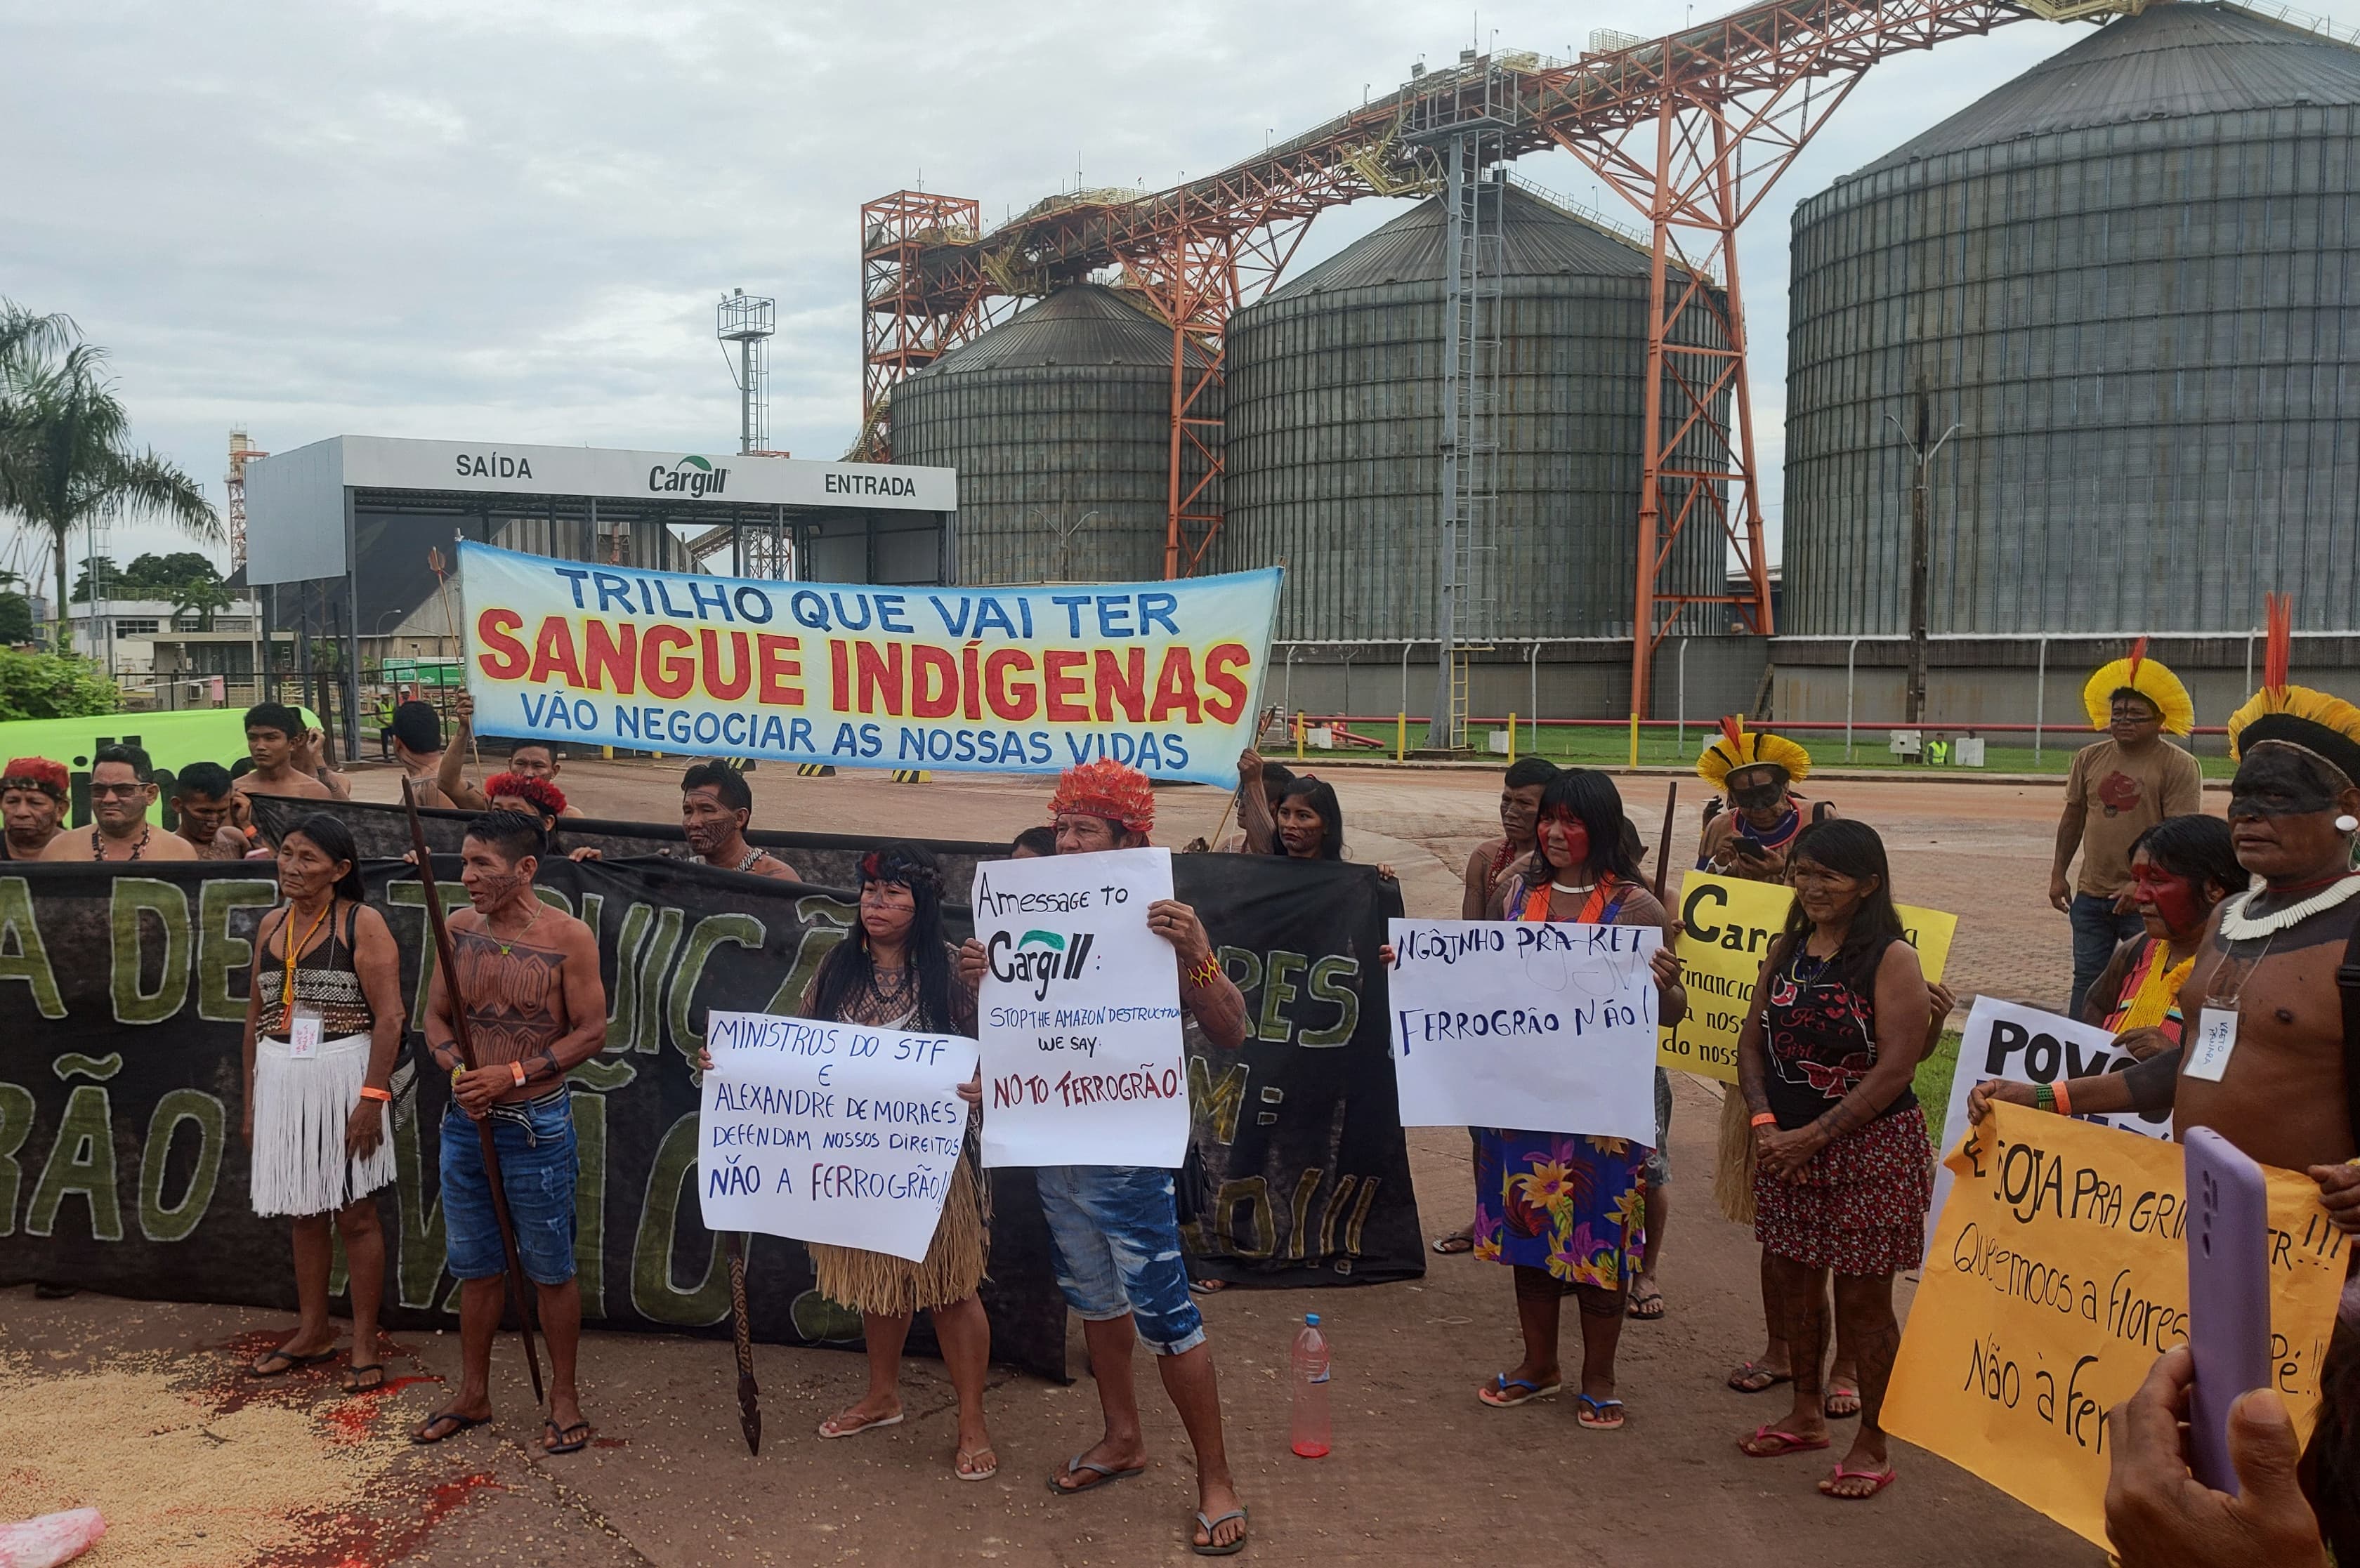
[(1572, 1204)]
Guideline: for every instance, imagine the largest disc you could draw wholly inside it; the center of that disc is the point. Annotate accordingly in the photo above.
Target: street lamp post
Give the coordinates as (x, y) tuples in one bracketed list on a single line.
[(1920, 548)]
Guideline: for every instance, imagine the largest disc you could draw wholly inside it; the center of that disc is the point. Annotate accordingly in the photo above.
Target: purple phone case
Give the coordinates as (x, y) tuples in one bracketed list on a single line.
[(2228, 1295)]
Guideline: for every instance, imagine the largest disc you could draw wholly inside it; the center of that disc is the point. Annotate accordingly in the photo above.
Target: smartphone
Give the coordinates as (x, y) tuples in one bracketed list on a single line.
[(2228, 1295)]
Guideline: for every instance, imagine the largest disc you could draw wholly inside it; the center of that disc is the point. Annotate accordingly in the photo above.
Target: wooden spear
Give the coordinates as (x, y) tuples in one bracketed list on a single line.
[(518, 1287), (1664, 847), (741, 1330)]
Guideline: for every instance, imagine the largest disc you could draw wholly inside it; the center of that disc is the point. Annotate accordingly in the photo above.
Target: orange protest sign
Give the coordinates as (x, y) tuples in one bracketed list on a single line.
[(2058, 1274)]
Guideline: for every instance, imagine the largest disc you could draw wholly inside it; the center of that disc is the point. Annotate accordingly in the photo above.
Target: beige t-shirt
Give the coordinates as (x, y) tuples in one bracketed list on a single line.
[(2124, 797)]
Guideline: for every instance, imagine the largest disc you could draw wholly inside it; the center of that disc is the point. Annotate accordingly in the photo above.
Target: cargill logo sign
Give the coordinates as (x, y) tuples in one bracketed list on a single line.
[(695, 476)]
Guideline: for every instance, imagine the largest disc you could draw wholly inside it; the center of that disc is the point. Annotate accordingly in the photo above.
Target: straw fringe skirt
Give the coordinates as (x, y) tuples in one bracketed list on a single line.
[(892, 1286), (1733, 1176), (300, 1112)]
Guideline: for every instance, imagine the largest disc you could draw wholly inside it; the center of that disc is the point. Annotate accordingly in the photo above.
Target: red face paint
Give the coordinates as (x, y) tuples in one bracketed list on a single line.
[(1565, 841), (2172, 898)]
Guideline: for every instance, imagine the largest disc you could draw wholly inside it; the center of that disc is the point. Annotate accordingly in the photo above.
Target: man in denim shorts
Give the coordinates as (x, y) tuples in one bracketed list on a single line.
[(1115, 1228), (527, 976)]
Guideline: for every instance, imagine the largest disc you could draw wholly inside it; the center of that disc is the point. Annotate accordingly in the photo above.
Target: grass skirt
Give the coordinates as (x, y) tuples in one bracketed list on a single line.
[(300, 1112), (1733, 1175), (894, 1287)]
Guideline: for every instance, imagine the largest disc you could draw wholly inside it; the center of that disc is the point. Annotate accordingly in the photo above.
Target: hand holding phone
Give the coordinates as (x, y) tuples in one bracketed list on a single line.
[(2228, 1296)]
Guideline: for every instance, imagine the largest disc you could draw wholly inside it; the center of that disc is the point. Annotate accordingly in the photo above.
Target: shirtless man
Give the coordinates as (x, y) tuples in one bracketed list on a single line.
[(714, 807), (527, 759), (1260, 784), (121, 791), (285, 753), (1491, 861), (202, 795), (536, 1009), (416, 732), (32, 796), (1115, 1230), (1758, 771)]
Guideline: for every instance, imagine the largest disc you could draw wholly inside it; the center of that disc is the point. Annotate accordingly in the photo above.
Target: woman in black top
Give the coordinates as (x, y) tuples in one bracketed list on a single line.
[(1844, 1172), (324, 1023)]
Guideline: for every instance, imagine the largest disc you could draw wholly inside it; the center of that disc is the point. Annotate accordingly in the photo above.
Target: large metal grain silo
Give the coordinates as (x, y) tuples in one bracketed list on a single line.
[(2129, 276), (1059, 423), (1334, 426)]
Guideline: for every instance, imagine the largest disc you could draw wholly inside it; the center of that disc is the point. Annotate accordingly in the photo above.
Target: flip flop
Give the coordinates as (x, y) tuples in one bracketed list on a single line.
[(965, 1458), (1646, 1301), (459, 1423), (1883, 1479), (1454, 1244), (1585, 1404), (894, 1419), (566, 1444), (1501, 1383), (1787, 1444), (1209, 1526), (1828, 1406), (353, 1375), (1741, 1380), (291, 1363), (1106, 1475)]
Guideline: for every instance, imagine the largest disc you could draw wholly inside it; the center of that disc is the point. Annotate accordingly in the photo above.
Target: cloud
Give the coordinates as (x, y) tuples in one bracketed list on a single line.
[(510, 221)]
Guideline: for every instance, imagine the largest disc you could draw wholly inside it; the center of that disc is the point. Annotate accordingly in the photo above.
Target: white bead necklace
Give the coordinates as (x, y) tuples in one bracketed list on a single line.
[(2236, 925)]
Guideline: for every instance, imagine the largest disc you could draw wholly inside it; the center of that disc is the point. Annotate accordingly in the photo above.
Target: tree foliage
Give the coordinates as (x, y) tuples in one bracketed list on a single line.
[(51, 686), (66, 456)]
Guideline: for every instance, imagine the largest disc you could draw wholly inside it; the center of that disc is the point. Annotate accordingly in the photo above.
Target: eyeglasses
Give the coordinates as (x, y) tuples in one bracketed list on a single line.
[(116, 791)]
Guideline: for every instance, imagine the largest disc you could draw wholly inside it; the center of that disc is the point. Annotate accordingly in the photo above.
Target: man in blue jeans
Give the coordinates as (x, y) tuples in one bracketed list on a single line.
[(1115, 1229), (528, 978), (2117, 790)]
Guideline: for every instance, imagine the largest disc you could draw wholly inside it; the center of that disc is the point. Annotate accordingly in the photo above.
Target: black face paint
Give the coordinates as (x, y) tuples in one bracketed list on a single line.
[(1755, 797), (2279, 780)]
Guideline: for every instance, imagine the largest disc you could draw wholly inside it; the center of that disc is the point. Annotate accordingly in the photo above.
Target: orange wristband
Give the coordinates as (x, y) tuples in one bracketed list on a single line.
[(1764, 1120), (382, 1096), (518, 1068), (2064, 1105)]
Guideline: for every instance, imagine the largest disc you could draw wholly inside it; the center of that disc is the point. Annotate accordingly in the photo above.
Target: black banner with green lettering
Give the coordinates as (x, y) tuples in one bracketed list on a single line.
[(122, 999), (122, 1007)]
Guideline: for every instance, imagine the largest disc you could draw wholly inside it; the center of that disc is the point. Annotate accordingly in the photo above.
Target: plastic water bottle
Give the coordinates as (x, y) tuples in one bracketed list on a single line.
[(1311, 1428)]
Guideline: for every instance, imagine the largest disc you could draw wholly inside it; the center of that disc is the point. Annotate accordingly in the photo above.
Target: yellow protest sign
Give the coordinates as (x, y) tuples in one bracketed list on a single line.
[(1730, 924), (2059, 1273)]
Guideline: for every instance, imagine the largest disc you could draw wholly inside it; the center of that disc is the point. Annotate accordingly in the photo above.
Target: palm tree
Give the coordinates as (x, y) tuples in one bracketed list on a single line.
[(65, 455)]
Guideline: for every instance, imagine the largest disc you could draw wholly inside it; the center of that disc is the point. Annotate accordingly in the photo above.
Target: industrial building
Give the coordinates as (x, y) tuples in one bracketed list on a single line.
[(1058, 424), (2130, 278), (1334, 423)]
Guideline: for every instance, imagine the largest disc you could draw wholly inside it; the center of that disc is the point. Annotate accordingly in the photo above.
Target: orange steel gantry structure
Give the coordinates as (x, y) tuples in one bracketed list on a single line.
[(1692, 130)]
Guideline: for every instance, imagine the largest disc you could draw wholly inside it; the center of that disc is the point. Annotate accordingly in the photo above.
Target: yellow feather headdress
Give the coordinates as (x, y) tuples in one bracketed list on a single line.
[(2147, 677), (1739, 747), (2326, 726)]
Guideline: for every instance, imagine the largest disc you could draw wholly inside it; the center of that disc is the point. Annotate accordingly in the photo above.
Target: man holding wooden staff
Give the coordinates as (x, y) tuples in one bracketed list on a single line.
[(526, 979)]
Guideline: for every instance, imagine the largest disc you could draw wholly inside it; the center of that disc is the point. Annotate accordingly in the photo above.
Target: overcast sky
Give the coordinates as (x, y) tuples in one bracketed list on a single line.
[(510, 220)]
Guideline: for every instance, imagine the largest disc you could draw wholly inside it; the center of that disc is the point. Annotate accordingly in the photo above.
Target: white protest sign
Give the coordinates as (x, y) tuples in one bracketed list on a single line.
[(1083, 1062), (830, 1132), (1540, 1026), (2006, 1039)]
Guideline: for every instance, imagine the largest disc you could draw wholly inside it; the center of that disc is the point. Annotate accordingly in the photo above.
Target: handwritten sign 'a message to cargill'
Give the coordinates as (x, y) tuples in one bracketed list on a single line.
[(2058, 1274), (1548, 1027), (1083, 1061), (830, 1132), (1728, 927)]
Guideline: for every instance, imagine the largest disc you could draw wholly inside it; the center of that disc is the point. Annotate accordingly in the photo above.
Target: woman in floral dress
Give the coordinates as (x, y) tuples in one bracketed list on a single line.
[(1566, 1212)]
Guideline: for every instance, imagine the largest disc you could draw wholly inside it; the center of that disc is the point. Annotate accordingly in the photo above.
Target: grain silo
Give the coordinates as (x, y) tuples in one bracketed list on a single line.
[(1334, 423), (1059, 423), (2128, 276)]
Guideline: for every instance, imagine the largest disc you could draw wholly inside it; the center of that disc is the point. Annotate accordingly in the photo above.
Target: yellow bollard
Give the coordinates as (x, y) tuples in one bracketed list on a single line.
[(1511, 737), (1634, 740), (1401, 737), (1299, 735)]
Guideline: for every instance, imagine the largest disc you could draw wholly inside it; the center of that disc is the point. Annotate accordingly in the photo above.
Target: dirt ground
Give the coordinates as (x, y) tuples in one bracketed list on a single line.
[(1421, 1472)]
